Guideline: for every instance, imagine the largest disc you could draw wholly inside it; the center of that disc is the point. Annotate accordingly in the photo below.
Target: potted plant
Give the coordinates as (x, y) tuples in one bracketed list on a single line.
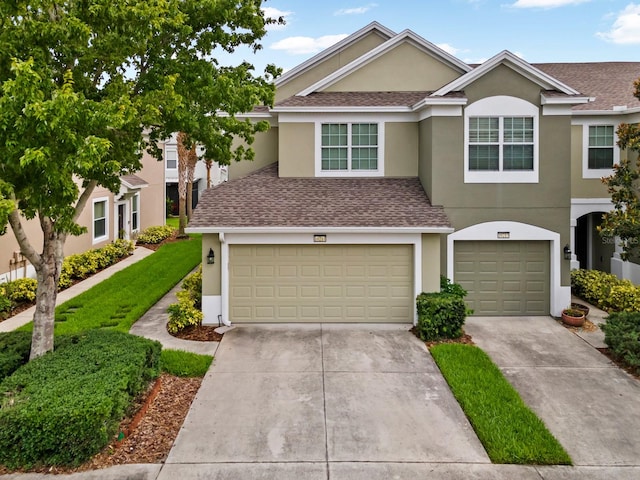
[(580, 306), (573, 317)]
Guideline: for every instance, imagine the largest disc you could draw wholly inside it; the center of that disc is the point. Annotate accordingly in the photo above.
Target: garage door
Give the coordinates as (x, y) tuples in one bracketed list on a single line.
[(321, 283), (504, 278)]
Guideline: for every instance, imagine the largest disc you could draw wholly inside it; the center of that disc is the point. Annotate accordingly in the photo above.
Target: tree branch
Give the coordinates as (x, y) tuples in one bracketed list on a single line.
[(83, 199), (25, 246)]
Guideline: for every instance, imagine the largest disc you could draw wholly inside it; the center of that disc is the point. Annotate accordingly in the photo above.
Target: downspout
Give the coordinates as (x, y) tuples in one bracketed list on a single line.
[(224, 285)]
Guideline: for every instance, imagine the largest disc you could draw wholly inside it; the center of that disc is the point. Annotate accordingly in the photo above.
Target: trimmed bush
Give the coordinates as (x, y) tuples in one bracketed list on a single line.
[(192, 284), (183, 314), (62, 408), (22, 290), (605, 290), (156, 234), (14, 351), (622, 336), (447, 286), (440, 315)]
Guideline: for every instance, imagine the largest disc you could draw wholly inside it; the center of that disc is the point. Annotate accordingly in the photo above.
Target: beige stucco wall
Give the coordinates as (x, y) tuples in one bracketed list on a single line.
[(401, 149), (297, 150), (152, 198), (420, 71), (329, 65), (431, 262), (265, 146), (211, 274)]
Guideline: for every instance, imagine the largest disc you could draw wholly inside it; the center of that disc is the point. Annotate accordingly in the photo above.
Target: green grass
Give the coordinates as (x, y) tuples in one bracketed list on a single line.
[(173, 221), (508, 429), (184, 364), (120, 300)]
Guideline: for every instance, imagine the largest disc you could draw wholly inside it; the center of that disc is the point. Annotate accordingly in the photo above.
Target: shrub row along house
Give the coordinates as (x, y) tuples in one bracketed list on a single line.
[(391, 162)]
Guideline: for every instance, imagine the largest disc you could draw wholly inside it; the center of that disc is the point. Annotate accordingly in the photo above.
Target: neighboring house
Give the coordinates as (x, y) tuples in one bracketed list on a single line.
[(139, 204), (217, 174), (391, 162)]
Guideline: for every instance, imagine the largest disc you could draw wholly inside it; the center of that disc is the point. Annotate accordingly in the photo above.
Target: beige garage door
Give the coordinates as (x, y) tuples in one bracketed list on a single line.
[(321, 283), (504, 278)]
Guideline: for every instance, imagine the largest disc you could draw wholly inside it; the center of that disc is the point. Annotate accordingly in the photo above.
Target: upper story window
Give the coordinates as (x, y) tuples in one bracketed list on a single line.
[(349, 149), (600, 152), (100, 215), (171, 157), (135, 212), (501, 141)]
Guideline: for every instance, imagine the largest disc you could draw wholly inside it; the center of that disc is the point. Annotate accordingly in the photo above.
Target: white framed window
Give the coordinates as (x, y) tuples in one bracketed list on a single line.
[(135, 212), (352, 149), (171, 157), (501, 141), (100, 220), (600, 152)]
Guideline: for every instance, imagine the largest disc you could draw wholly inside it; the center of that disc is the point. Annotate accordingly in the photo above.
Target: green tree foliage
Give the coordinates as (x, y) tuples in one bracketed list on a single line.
[(85, 87), (624, 220)]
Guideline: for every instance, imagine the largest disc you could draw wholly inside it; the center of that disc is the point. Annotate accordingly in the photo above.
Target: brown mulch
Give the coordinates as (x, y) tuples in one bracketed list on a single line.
[(156, 246), (199, 333), (149, 433), (587, 326), (464, 339)]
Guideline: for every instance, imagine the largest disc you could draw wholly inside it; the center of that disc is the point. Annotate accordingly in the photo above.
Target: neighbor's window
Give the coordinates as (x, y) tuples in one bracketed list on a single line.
[(135, 212), (501, 143), (349, 147), (99, 220), (171, 156), (601, 146)]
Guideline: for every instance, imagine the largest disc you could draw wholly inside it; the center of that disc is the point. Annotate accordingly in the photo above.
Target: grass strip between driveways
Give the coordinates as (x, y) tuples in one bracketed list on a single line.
[(120, 300), (508, 429)]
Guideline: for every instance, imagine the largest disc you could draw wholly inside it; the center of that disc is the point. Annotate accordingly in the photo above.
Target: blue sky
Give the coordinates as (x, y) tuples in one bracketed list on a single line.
[(472, 30)]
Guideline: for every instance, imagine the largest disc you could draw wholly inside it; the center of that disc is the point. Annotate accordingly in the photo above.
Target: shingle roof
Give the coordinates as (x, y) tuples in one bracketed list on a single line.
[(611, 83), (133, 181), (354, 99), (262, 199)]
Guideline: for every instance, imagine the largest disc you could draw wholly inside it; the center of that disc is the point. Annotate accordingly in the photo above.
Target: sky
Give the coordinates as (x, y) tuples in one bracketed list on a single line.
[(472, 30)]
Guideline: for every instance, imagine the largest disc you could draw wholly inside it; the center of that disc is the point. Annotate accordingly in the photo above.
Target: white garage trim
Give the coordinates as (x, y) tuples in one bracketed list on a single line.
[(414, 239), (560, 295)]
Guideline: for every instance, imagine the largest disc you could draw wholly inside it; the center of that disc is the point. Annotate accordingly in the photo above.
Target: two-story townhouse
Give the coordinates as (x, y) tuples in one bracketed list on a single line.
[(140, 203), (391, 162)]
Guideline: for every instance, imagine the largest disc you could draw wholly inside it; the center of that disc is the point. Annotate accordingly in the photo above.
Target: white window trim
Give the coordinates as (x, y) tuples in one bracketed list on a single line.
[(348, 173), (135, 228), (598, 172), (502, 106), (106, 220), (173, 149)]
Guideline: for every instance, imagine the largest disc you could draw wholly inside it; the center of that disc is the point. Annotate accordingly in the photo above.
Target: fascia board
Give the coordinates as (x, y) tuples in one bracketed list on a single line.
[(371, 55), (572, 100), (317, 229), (301, 68)]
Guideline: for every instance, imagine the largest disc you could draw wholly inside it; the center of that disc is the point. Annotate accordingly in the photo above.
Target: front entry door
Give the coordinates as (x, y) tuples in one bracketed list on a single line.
[(122, 221)]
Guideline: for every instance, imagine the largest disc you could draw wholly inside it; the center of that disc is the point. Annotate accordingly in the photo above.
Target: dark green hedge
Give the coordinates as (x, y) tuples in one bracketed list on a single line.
[(622, 336), (14, 351), (65, 406), (440, 315)]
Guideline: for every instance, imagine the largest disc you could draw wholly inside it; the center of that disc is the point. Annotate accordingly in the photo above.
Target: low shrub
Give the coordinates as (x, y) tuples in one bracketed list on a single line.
[(63, 407), (14, 351), (5, 304), (156, 234), (184, 364), (447, 286), (605, 290), (192, 284), (622, 336), (22, 290), (440, 315), (183, 314)]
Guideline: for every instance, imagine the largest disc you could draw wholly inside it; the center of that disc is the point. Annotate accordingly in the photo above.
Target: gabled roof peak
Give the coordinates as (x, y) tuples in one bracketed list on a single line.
[(354, 37)]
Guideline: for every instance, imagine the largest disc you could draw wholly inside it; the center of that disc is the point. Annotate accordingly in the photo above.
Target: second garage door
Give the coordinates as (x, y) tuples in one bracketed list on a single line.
[(321, 283), (504, 278)]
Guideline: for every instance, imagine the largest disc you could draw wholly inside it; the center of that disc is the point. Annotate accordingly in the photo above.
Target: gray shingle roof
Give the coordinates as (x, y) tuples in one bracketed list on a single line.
[(262, 199), (355, 99), (611, 83)]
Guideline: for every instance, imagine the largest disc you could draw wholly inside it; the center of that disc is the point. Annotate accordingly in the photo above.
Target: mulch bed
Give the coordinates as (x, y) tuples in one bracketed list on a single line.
[(464, 339), (199, 333)]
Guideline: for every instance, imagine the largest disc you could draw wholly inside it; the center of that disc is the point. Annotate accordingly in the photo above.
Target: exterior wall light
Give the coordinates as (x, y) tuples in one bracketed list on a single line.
[(567, 252), (211, 257)]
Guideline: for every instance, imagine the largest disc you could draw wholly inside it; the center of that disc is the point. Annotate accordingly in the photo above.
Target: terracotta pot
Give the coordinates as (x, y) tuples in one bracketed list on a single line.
[(583, 308), (572, 320)]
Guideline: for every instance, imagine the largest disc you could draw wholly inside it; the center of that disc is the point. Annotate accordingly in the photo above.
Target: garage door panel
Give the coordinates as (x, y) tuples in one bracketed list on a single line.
[(504, 278), (321, 283)]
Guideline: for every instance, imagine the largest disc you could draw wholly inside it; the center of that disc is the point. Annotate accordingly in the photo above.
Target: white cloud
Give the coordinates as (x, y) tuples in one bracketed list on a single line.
[(355, 10), (270, 12), (546, 3), (306, 45), (448, 48), (626, 28)]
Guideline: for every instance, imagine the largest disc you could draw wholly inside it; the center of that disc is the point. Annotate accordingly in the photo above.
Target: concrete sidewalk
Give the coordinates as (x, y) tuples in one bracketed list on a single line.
[(25, 317)]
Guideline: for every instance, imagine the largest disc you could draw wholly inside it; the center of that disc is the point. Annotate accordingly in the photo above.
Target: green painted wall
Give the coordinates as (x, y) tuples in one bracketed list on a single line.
[(401, 149), (211, 274), (297, 150), (265, 147), (431, 262)]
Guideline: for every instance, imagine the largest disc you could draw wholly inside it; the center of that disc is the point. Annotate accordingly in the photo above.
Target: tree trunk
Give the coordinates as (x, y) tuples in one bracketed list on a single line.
[(208, 165), (46, 295), (189, 199)]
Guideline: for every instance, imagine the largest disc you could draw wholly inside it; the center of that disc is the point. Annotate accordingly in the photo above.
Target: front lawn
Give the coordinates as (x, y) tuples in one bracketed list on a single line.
[(508, 429)]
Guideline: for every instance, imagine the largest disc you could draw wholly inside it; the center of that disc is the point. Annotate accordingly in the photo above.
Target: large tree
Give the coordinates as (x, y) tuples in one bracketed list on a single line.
[(86, 86), (624, 220)]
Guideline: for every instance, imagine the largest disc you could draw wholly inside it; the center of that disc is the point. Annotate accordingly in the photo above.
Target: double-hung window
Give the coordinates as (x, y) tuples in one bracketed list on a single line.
[(350, 148), (501, 141), (600, 152), (135, 212), (100, 214)]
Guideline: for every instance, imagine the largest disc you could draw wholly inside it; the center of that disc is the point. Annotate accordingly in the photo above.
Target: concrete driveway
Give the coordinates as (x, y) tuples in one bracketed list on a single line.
[(590, 405), (300, 401)]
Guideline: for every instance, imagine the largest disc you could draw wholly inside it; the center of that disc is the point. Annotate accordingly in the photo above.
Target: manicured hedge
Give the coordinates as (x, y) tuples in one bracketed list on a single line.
[(156, 234), (622, 336), (64, 407), (440, 315), (605, 290), (14, 351)]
